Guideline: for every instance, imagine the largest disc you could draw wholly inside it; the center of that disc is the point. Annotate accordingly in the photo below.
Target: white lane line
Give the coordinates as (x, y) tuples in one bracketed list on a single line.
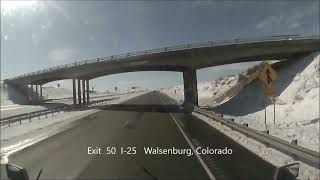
[(6, 109), (10, 105), (205, 167)]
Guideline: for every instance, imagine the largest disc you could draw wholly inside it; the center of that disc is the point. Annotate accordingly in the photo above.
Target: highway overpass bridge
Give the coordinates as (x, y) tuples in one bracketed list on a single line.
[(186, 59)]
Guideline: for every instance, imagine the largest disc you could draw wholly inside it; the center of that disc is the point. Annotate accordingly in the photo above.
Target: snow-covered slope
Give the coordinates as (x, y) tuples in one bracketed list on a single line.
[(208, 92), (296, 108), (10, 96), (56, 93)]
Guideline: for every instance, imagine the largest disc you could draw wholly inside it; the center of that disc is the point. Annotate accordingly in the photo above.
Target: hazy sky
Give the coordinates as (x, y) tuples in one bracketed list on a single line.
[(39, 34)]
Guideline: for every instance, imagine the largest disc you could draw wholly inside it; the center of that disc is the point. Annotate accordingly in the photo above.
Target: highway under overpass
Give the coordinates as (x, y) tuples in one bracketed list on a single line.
[(186, 59)]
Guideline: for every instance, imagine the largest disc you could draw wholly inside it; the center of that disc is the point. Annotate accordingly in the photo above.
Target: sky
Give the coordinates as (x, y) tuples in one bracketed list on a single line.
[(40, 34)]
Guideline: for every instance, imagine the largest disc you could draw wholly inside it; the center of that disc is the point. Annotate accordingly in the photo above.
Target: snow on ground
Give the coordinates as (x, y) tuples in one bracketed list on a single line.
[(18, 136), (14, 103), (297, 109), (208, 92), (10, 96), (273, 156), (297, 106)]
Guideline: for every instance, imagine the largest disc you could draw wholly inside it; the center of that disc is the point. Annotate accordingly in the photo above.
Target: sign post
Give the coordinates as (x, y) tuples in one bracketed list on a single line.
[(274, 110), (267, 76)]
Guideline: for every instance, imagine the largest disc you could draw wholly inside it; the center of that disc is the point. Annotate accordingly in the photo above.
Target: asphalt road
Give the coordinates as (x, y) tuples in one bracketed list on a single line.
[(65, 156), (135, 124)]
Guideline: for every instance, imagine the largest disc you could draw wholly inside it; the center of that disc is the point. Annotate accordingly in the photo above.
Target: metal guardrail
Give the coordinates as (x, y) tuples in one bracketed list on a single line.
[(12, 119), (37, 114), (297, 152), (169, 49)]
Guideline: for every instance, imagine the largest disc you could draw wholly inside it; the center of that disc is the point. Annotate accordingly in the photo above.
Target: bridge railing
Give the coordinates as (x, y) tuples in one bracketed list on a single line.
[(170, 49)]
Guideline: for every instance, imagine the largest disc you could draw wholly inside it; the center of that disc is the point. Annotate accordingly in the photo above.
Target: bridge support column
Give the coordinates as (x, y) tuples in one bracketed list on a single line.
[(84, 91), (190, 88), (79, 91), (88, 97), (31, 94), (27, 92), (41, 93), (37, 94), (74, 92)]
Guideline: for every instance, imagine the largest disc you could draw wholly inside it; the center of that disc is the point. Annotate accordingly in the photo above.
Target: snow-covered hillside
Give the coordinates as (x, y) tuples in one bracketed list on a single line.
[(297, 109), (297, 106), (56, 93), (10, 96), (208, 92), (213, 93)]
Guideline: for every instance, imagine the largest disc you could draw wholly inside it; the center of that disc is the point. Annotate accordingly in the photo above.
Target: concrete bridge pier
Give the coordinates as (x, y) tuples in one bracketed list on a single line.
[(37, 94), (41, 99), (190, 89), (83, 92), (88, 97), (79, 91), (74, 91), (32, 98)]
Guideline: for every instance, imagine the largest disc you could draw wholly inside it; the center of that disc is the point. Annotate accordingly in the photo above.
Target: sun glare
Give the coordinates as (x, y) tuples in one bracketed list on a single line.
[(9, 6)]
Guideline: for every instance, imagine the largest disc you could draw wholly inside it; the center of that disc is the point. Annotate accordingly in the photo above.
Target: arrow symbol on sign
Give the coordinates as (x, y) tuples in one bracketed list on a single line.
[(268, 76)]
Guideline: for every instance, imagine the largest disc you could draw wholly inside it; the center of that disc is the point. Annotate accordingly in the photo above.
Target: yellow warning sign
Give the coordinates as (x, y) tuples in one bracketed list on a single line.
[(268, 75)]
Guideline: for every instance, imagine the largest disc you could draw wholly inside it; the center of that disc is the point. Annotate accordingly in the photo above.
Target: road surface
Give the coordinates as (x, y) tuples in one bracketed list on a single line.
[(135, 124)]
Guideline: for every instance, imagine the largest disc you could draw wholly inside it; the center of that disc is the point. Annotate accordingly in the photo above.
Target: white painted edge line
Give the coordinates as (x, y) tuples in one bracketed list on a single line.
[(10, 108), (205, 167)]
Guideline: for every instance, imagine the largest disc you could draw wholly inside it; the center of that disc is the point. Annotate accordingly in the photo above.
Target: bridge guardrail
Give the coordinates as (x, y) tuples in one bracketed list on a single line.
[(297, 152), (170, 49)]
